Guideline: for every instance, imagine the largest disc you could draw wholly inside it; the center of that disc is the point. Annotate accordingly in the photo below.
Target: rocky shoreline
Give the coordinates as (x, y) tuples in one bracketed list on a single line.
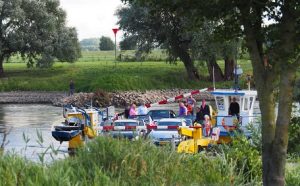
[(117, 99)]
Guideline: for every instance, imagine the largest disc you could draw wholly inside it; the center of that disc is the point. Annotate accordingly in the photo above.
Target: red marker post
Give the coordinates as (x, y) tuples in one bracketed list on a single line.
[(115, 30)]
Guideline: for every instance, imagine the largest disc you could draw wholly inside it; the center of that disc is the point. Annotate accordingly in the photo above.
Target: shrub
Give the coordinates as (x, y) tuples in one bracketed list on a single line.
[(246, 156), (294, 137), (292, 174)]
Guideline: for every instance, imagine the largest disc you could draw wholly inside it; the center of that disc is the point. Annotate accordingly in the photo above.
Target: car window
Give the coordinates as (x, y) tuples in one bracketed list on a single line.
[(173, 123), (126, 123)]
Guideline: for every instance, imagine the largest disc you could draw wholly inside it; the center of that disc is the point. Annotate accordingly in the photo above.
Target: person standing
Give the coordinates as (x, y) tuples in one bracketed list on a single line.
[(204, 110), (182, 110), (207, 125), (234, 108), (126, 111), (72, 88), (142, 109), (191, 102), (132, 111)]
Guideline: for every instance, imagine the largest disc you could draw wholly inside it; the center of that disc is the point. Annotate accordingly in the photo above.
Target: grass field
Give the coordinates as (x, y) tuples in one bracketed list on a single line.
[(98, 70)]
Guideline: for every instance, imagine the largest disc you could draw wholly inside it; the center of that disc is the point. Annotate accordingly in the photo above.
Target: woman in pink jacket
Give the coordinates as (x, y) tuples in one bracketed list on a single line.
[(132, 111)]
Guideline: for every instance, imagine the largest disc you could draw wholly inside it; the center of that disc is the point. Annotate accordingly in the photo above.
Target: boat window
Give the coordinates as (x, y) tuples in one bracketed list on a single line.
[(251, 102), (240, 101), (220, 103), (246, 104)]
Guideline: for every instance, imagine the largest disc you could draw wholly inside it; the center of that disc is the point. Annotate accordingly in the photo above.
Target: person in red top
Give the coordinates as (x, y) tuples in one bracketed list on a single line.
[(189, 109), (191, 102)]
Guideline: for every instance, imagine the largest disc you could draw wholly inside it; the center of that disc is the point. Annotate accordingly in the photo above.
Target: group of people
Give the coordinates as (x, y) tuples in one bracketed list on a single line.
[(203, 112), (131, 110), (187, 107)]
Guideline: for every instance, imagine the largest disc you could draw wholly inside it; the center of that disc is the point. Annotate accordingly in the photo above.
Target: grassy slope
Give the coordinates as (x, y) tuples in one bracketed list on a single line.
[(97, 70)]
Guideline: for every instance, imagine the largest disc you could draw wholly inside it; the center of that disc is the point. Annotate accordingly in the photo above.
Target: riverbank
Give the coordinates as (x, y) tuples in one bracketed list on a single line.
[(117, 99)]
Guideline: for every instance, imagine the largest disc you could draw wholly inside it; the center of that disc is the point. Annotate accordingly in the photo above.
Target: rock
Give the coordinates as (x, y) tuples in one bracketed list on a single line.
[(118, 99)]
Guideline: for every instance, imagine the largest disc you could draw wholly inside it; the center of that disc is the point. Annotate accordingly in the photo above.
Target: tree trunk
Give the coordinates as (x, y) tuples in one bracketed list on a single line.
[(1, 67), (276, 173), (212, 64), (267, 107), (229, 67), (191, 70), (265, 83)]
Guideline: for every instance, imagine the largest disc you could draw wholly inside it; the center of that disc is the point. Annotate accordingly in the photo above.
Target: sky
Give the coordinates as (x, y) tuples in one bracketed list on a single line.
[(92, 18)]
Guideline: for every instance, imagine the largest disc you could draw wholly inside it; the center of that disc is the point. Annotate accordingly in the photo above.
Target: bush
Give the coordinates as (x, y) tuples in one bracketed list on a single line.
[(294, 136), (246, 156), (292, 174)]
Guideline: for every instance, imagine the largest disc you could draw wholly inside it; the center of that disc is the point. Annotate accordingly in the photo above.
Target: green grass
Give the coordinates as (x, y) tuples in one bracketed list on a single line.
[(109, 161), (91, 73)]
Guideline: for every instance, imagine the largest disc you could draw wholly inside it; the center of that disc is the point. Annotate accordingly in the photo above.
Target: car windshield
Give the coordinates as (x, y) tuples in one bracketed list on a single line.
[(169, 123), (160, 114), (126, 123)]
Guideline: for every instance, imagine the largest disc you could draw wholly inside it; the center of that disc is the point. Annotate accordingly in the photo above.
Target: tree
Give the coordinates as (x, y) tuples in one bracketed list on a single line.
[(128, 43), (66, 43), (274, 53), (106, 44), (90, 44), (32, 28), (155, 27)]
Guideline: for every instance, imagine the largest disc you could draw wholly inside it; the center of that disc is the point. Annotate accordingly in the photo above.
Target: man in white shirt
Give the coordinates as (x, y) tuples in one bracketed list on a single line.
[(142, 109)]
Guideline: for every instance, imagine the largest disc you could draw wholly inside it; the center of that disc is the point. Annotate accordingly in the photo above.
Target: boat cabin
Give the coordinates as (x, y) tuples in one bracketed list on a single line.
[(245, 100)]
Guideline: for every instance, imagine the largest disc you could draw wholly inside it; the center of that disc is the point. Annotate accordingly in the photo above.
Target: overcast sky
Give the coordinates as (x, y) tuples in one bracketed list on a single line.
[(92, 18)]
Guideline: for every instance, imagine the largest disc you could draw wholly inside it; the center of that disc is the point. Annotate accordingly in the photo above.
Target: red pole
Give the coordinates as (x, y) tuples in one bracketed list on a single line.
[(115, 30)]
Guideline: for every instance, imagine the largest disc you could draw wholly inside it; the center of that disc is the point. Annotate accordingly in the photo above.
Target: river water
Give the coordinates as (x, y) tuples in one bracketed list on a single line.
[(28, 129)]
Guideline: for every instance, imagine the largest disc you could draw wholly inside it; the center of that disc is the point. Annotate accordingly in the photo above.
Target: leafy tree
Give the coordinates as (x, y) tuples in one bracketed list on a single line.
[(155, 26), (128, 43), (90, 44), (66, 43), (106, 44), (274, 53), (35, 29)]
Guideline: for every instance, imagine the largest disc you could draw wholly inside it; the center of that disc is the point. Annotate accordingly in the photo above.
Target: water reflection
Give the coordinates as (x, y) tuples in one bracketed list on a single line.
[(25, 124)]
